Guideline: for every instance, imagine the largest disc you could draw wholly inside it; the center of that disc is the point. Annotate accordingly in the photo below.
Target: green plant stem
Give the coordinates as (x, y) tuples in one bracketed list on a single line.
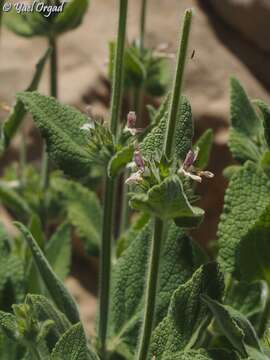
[(118, 69), (54, 93), (22, 158), (152, 280), (142, 24), (105, 263), (109, 203), (151, 290), (177, 87)]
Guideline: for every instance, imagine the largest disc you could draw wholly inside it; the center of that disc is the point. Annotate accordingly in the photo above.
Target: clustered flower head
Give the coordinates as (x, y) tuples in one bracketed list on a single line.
[(189, 170), (141, 169)]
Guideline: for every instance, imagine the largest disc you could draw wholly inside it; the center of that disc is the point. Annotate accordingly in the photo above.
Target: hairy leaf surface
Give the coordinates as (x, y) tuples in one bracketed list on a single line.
[(60, 125), (83, 211), (187, 316), (73, 346), (180, 258), (168, 201), (246, 201), (154, 141), (57, 290)]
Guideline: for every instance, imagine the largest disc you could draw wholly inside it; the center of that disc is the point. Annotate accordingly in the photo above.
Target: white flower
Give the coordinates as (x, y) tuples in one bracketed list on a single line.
[(134, 178), (88, 126), (188, 169)]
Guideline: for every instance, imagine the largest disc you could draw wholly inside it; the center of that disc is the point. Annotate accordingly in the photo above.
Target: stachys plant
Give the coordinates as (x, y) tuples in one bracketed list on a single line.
[(161, 296)]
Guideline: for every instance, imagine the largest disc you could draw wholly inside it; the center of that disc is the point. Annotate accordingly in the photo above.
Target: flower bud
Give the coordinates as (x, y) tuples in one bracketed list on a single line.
[(131, 120)]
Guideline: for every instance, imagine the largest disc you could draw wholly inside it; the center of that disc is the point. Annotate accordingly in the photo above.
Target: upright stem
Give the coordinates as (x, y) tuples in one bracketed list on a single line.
[(105, 263), (152, 280), (142, 24), (109, 205), (54, 93), (151, 290), (177, 87), (118, 70)]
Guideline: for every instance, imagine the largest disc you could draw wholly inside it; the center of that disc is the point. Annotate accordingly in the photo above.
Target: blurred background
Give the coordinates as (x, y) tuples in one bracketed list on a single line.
[(229, 37)]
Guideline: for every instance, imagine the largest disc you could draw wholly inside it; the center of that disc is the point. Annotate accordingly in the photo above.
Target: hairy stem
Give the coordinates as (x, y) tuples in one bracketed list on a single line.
[(177, 87), (118, 69), (151, 290), (152, 280), (54, 93), (109, 204), (105, 263), (142, 24)]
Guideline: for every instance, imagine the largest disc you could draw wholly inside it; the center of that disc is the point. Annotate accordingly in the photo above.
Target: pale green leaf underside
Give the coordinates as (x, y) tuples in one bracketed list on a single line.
[(83, 211), (58, 251)]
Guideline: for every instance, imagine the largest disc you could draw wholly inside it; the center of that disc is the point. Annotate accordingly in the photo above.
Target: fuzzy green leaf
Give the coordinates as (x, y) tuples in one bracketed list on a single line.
[(253, 255), (56, 288), (16, 116), (12, 276), (58, 251), (71, 17), (246, 200), (179, 259), (44, 310), (243, 115), (204, 143), (168, 201), (242, 147), (234, 326), (8, 325), (154, 141), (188, 355), (187, 316), (83, 211), (73, 346), (248, 298), (60, 125), (120, 160), (13, 201), (245, 125), (18, 23), (29, 24), (265, 112)]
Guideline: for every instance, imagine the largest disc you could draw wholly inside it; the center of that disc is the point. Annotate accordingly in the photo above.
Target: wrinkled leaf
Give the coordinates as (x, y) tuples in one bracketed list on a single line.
[(179, 259), (246, 200), (56, 288), (120, 160), (188, 316), (73, 346), (67, 144), (234, 326), (58, 251), (154, 141), (83, 211), (168, 201)]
